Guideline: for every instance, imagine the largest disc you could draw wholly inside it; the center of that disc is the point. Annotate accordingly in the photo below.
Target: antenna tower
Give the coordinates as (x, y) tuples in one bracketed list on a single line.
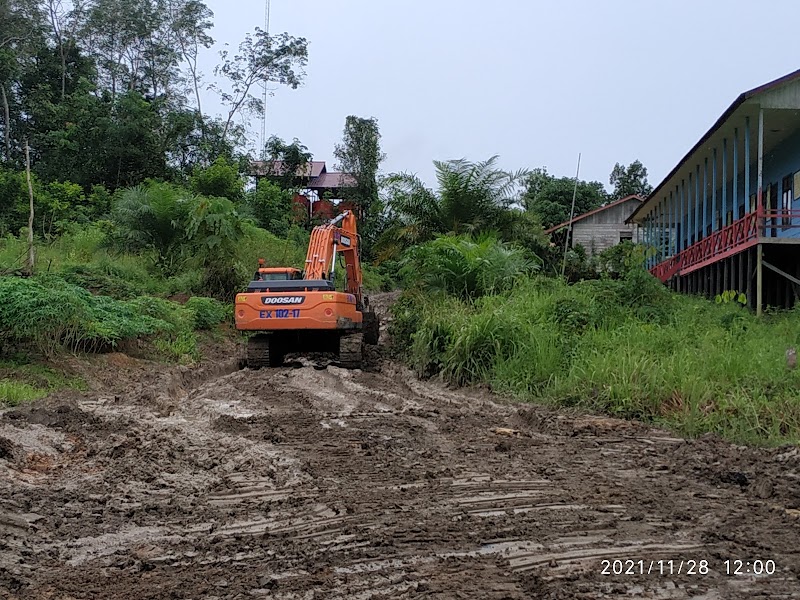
[(264, 99)]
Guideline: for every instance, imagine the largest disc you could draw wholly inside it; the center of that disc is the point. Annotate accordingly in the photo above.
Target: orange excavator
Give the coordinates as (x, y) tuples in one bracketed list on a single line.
[(289, 310)]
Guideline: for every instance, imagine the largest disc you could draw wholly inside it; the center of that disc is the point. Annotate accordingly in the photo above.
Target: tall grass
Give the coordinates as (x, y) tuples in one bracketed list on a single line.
[(627, 348)]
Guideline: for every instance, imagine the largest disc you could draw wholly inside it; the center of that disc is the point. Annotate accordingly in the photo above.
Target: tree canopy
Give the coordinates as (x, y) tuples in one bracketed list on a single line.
[(471, 198), (109, 91), (359, 155), (550, 197), (630, 180)]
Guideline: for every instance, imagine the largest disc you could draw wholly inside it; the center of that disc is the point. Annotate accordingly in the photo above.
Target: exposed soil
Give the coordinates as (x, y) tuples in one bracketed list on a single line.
[(310, 481)]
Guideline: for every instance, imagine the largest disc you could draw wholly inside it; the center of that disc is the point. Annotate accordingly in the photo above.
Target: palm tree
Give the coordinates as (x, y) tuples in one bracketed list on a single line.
[(472, 198), (152, 216)]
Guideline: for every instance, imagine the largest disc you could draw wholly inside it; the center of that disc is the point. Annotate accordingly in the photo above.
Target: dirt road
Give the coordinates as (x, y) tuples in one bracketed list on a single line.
[(299, 483)]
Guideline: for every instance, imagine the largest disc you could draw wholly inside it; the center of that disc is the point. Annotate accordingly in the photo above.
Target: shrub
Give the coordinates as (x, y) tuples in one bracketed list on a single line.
[(216, 228), (207, 312), (465, 268), (44, 312), (271, 207), (153, 216), (48, 313), (100, 279), (220, 179)]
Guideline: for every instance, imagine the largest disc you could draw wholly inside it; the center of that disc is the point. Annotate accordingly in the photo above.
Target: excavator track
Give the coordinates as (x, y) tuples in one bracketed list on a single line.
[(371, 328), (350, 351), (260, 352)]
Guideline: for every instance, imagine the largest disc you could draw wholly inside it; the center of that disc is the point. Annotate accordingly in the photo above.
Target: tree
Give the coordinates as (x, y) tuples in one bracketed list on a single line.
[(550, 197), (13, 201), (221, 180), (261, 59), (115, 142), (61, 26), (21, 24), (630, 180), (359, 155), (270, 206), (190, 22), (472, 198), (293, 158)]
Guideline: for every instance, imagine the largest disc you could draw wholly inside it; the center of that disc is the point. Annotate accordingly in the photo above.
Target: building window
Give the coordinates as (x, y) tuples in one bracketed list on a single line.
[(796, 183), (625, 236), (787, 195)]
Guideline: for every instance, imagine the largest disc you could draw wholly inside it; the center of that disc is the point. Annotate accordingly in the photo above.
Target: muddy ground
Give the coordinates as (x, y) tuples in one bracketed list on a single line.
[(310, 482)]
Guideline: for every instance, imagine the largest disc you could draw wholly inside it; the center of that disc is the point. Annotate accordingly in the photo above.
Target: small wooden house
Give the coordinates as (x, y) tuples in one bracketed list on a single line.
[(602, 227)]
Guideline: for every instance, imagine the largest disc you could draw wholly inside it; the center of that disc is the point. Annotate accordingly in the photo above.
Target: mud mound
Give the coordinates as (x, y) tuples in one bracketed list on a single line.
[(8, 449), (311, 481)]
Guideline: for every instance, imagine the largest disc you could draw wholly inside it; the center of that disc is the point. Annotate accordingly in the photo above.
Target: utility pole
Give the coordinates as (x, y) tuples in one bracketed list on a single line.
[(571, 216), (264, 99)]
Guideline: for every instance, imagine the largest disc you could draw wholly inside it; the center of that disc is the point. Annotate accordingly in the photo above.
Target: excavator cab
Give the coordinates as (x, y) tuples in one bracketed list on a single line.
[(289, 310)]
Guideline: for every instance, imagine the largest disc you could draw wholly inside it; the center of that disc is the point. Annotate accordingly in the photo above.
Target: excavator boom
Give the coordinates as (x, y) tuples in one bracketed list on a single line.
[(328, 241)]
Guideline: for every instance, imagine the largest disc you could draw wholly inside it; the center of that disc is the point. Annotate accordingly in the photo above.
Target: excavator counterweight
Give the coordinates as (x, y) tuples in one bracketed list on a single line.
[(287, 310)]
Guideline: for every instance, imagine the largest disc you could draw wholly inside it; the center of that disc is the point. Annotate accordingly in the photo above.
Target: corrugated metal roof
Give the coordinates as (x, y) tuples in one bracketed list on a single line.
[(743, 97), (330, 181)]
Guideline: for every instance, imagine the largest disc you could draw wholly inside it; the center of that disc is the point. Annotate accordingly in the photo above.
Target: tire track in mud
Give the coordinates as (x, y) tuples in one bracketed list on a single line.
[(327, 483)]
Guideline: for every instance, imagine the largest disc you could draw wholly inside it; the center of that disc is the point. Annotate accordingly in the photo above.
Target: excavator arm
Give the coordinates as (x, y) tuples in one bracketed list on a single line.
[(328, 241)]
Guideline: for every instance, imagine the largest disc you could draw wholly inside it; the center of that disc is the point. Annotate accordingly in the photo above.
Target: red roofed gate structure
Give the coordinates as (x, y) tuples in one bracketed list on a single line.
[(320, 189)]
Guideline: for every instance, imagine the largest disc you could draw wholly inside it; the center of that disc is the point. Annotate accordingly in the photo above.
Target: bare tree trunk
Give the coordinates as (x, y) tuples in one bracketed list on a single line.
[(232, 113), (195, 80), (6, 121), (54, 21), (31, 253), (197, 91)]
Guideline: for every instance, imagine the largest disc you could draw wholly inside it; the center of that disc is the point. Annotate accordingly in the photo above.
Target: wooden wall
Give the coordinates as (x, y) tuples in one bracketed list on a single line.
[(602, 229)]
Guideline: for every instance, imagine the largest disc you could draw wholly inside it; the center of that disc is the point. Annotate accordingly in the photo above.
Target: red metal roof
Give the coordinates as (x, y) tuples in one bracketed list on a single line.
[(329, 181), (315, 171), (315, 168), (595, 211)]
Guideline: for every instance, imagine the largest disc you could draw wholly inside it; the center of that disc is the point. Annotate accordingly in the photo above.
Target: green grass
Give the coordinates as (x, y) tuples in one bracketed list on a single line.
[(22, 381), (626, 348), (40, 375), (13, 393)]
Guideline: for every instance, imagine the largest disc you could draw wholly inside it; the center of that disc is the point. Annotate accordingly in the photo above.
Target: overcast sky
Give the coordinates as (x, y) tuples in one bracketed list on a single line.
[(535, 82)]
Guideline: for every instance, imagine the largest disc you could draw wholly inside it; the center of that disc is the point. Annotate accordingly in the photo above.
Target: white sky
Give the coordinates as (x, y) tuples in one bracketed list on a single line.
[(535, 82)]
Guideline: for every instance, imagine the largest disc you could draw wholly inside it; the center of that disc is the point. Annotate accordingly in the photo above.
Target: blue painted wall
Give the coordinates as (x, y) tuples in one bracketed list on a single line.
[(781, 162), (784, 161)]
